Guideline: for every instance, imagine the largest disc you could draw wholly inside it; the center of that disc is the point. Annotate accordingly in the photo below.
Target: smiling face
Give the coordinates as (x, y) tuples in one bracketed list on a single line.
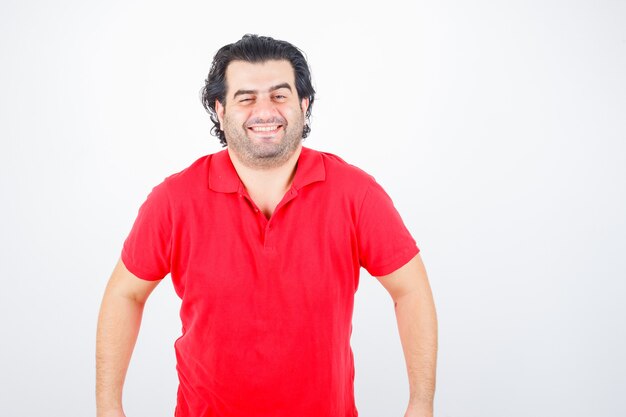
[(263, 118)]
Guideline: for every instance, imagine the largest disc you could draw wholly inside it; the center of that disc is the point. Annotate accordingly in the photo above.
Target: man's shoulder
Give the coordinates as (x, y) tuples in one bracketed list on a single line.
[(338, 170), (193, 176)]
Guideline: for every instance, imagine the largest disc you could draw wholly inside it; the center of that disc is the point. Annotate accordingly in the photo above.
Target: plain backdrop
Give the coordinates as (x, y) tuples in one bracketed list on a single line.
[(498, 128)]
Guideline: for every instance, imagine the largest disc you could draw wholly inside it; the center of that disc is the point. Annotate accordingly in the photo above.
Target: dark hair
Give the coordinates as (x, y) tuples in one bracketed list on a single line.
[(254, 49)]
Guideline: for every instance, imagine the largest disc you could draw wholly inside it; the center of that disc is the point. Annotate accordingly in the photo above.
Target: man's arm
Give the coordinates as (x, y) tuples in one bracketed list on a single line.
[(417, 325), (118, 326)]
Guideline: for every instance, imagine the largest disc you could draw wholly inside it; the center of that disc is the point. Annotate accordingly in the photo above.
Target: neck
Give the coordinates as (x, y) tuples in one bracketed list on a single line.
[(276, 178)]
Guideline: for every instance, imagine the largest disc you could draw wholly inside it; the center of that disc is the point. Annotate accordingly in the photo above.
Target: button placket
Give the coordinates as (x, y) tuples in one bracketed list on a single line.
[(269, 236), (270, 227), (259, 217)]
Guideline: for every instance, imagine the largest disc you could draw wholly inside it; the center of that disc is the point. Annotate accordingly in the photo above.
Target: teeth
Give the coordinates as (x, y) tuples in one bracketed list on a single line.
[(264, 128)]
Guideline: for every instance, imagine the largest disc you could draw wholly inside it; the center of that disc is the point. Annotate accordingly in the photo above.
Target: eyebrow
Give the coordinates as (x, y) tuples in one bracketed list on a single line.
[(272, 88)]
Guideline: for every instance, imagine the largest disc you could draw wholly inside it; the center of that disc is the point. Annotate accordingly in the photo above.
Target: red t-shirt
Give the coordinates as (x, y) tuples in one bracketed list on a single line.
[(266, 304)]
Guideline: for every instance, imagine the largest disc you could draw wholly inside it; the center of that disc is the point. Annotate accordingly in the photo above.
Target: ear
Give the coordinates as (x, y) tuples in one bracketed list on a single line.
[(219, 110), (304, 104)]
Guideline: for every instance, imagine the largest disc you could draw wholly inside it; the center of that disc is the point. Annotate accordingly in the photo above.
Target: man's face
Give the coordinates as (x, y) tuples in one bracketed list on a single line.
[(263, 118)]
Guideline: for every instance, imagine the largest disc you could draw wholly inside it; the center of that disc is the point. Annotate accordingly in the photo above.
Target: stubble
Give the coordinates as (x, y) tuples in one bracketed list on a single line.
[(263, 155)]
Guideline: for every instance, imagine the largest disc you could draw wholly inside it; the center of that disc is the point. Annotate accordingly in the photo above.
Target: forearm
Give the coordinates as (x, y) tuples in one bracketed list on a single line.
[(417, 325), (118, 326)]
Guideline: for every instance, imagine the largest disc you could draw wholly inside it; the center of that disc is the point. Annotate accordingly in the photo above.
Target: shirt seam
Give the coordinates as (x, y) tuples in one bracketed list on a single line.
[(171, 225), (360, 210)]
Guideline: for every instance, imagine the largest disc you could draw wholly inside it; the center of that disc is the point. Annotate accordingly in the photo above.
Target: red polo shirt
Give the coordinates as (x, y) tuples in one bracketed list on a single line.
[(266, 304)]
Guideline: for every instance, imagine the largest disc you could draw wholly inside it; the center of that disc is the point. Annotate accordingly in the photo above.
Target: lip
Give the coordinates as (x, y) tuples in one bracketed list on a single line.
[(265, 130)]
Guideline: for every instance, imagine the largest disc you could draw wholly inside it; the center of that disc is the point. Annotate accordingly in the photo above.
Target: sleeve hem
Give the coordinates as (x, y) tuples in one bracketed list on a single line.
[(401, 260), (136, 271)]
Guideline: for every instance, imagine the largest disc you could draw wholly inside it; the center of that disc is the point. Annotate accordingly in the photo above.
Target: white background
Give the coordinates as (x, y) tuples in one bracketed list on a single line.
[(498, 128)]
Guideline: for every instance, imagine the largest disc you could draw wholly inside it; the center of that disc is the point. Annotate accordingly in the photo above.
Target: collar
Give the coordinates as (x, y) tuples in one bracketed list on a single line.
[(223, 177)]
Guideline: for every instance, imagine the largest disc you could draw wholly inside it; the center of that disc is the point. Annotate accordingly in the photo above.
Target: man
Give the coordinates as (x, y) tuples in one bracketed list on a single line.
[(264, 242)]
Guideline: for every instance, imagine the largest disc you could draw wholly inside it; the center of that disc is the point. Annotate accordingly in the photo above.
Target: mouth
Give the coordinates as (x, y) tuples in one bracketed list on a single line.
[(265, 129)]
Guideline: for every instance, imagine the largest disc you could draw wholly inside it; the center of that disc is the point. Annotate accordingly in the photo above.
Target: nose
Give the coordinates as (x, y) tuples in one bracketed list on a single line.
[(264, 108)]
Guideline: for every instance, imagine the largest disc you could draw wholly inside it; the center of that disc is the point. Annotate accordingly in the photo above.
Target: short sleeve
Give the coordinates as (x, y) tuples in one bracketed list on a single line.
[(146, 250), (384, 242)]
